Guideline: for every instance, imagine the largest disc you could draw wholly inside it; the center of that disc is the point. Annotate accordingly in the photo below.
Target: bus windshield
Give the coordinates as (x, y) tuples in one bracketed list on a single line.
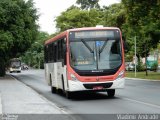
[(15, 64), (95, 50)]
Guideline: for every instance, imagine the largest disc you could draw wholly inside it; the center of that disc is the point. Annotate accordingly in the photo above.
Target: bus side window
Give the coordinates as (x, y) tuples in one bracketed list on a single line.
[(60, 49), (52, 52), (45, 55), (55, 52), (48, 53), (63, 46), (62, 53)]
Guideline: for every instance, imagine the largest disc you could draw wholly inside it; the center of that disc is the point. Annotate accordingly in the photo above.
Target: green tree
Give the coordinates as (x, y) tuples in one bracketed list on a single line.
[(143, 23), (75, 17), (88, 4), (114, 15), (34, 56), (18, 29)]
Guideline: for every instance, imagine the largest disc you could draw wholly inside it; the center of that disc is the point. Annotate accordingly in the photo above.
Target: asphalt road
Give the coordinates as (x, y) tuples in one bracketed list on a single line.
[(138, 97)]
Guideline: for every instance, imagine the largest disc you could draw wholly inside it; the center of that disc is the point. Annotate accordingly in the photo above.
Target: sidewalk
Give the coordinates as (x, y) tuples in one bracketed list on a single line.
[(17, 98)]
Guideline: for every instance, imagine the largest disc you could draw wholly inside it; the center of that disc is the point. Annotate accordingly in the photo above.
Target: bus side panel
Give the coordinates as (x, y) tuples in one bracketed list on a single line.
[(47, 74), (51, 74), (61, 76), (54, 75), (65, 78)]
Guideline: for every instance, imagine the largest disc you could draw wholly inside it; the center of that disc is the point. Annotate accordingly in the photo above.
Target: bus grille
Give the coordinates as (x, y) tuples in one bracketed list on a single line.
[(104, 85)]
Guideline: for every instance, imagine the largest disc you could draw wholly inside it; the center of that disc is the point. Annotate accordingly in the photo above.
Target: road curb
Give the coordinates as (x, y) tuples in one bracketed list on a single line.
[(127, 78)]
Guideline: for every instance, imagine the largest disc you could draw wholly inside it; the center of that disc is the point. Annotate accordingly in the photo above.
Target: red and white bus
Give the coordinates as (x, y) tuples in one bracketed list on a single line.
[(85, 59)]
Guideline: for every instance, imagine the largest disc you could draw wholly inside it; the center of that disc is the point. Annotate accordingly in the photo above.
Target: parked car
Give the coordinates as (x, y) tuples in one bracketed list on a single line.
[(24, 67), (129, 66)]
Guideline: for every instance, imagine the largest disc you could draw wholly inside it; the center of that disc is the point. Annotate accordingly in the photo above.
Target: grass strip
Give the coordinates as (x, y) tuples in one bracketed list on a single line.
[(142, 75)]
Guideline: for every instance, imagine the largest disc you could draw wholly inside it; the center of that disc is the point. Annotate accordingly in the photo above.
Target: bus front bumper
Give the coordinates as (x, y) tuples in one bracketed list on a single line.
[(95, 86), (15, 70)]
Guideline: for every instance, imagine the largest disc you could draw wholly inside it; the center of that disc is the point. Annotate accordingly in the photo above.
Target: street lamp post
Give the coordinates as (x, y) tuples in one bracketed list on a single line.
[(135, 56), (135, 52)]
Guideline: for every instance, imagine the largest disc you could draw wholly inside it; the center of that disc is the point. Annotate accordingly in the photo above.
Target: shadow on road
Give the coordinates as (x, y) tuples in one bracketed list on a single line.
[(80, 96)]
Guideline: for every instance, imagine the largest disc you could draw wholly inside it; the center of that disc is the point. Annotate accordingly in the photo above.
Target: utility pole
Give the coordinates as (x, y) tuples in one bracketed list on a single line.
[(135, 57)]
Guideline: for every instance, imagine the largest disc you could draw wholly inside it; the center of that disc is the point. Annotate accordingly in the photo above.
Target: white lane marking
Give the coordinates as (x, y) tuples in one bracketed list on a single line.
[(139, 79), (141, 102)]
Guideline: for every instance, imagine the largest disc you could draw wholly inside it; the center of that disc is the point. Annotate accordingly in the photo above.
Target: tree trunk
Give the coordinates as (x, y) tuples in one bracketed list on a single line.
[(138, 62), (2, 64), (146, 65), (2, 67)]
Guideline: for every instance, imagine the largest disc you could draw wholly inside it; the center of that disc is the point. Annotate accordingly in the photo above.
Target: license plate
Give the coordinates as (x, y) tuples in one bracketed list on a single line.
[(98, 88)]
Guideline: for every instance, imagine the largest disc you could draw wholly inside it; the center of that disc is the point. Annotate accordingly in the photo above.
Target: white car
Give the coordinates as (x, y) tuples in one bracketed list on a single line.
[(129, 66)]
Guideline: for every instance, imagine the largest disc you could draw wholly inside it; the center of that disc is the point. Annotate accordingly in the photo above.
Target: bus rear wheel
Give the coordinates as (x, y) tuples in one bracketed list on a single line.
[(53, 89), (111, 92)]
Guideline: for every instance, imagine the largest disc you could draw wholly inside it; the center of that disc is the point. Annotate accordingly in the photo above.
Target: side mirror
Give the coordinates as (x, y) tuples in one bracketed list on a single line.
[(125, 45)]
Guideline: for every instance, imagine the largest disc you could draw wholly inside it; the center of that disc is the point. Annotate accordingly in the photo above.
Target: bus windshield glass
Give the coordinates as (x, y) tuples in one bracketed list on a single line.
[(95, 50), (16, 64)]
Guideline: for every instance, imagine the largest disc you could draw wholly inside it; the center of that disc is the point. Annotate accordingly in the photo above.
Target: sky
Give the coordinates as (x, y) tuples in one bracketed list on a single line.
[(49, 9)]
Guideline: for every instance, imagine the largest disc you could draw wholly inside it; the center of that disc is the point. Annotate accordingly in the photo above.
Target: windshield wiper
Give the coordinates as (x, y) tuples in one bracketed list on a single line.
[(101, 50), (87, 46)]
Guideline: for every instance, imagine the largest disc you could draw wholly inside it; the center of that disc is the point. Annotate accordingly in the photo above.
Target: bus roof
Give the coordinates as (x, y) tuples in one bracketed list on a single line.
[(93, 28), (63, 34)]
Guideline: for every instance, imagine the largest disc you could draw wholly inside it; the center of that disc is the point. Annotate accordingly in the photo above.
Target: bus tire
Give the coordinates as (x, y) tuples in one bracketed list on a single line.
[(111, 92), (68, 94), (53, 89)]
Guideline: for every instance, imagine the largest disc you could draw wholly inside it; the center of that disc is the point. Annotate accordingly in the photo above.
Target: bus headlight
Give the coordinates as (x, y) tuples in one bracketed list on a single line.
[(121, 74), (73, 77)]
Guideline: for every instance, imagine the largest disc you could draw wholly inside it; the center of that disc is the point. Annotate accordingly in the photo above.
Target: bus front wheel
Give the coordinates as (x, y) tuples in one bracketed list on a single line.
[(68, 94), (111, 92)]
